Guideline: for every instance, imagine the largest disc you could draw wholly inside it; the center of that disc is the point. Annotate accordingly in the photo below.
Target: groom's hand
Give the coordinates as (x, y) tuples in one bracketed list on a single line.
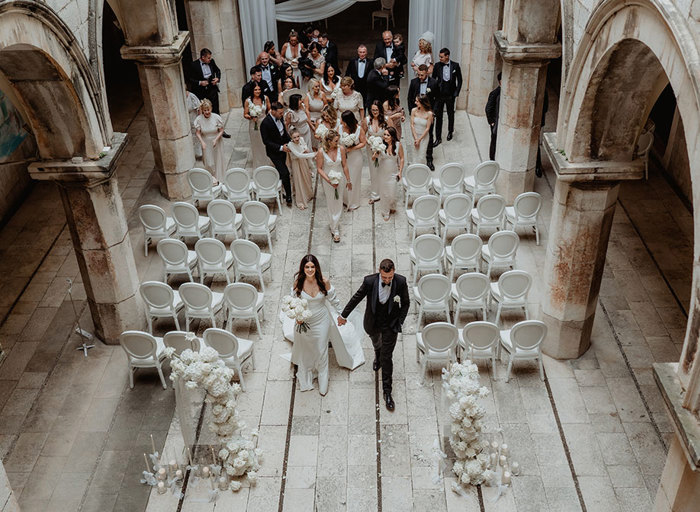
[(342, 321)]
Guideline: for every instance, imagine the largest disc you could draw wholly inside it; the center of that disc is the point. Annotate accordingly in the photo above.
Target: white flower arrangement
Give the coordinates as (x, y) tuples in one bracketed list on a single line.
[(255, 111), (296, 308), (461, 385), (321, 130), (348, 140), (376, 145), (397, 299), (334, 177)]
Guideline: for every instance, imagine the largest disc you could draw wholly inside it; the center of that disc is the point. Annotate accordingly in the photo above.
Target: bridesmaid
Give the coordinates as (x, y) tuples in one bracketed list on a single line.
[(275, 57), (299, 159), (349, 99), (291, 51), (287, 85), (296, 117), (318, 61), (328, 159), (286, 72), (257, 148), (349, 125), (210, 129), (421, 121), (393, 110), (375, 125), (390, 168), (330, 82), (329, 120), (315, 101)]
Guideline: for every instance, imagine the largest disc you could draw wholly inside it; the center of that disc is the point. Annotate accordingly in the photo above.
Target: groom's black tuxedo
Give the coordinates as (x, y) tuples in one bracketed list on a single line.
[(273, 140)]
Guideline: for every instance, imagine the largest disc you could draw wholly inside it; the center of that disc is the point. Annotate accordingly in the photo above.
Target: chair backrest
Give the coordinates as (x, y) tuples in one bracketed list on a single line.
[(486, 173), (178, 340), (237, 181), (173, 252), (196, 296), (466, 246), (491, 207), (528, 334), (210, 251), (473, 286), (418, 176), (480, 335), (503, 244), (222, 213), (440, 336), (201, 181), (450, 176), (185, 215), (139, 344), (152, 217), (426, 207), (434, 288), (527, 205), (245, 252), (241, 296), (428, 248), (225, 343), (514, 284), (255, 214), (266, 178), (458, 207), (388, 5), (157, 295), (644, 143)]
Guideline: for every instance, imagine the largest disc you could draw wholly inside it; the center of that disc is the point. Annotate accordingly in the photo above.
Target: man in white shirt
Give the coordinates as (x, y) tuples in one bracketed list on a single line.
[(204, 78), (449, 83), (358, 69)]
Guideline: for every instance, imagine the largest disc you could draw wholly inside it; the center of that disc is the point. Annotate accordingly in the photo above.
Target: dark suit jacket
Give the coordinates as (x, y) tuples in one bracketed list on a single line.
[(376, 87), (370, 289), (250, 85), (272, 139), (275, 72), (414, 92), (453, 85), (351, 71), (493, 105), (398, 54), (331, 55), (195, 76)]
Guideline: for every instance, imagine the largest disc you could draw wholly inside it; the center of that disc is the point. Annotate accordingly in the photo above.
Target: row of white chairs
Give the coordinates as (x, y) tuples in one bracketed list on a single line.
[(222, 220), (237, 185), (143, 350), (450, 179), (490, 212), (472, 291), (442, 341)]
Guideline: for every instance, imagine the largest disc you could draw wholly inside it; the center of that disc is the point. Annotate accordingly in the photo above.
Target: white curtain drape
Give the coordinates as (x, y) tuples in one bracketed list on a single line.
[(441, 17), (258, 25), (297, 11)]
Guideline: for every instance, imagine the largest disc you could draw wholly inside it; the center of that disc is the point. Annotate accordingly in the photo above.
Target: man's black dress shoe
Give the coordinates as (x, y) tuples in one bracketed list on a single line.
[(437, 143), (226, 136), (389, 401), (449, 136), (430, 165), (538, 172), (376, 365)]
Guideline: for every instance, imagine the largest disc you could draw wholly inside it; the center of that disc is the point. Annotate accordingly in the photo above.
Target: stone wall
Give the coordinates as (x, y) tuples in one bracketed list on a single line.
[(675, 160), (8, 502), (76, 14)]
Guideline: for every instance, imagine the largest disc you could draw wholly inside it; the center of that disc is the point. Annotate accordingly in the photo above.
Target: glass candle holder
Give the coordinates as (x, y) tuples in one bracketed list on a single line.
[(161, 488), (515, 468), (162, 474)]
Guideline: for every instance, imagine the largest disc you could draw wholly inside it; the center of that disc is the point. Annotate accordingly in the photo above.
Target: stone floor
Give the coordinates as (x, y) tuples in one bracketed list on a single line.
[(72, 433)]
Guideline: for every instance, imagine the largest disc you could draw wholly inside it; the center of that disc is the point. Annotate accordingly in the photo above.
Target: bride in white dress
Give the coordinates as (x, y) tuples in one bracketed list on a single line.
[(331, 163), (310, 352), (421, 120)]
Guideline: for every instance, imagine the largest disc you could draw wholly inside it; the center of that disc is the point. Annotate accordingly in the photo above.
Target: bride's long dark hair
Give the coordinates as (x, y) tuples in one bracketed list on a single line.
[(300, 276)]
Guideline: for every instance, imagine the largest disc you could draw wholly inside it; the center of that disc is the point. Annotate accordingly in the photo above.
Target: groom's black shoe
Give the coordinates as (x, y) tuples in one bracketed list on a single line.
[(376, 365), (389, 401)]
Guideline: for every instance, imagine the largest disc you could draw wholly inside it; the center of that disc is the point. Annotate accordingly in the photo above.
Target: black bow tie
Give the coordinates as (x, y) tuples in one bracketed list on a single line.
[(386, 284), (362, 61)]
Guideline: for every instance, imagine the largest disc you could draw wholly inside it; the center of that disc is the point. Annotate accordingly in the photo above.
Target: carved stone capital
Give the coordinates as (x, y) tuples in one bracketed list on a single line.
[(158, 55), (522, 53)]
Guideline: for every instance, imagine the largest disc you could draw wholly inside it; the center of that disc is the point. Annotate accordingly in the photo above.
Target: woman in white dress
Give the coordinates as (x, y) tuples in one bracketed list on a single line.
[(353, 140), (424, 55), (285, 84), (210, 129), (296, 118), (193, 102), (330, 83), (319, 64), (393, 111), (328, 121), (262, 103), (332, 167), (275, 57), (291, 51), (298, 161), (315, 101), (391, 164), (421, 120), (349, 99), (375, 124)]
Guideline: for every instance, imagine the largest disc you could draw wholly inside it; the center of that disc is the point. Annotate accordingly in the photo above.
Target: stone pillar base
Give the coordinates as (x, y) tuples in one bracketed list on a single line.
[(511, 183), (566, 339)]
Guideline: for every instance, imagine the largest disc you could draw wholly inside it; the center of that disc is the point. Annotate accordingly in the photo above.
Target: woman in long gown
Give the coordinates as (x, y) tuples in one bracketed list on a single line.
[(349, 99), (315, 101), (298, 161), (421, 120), (330, 82), (389, 172), (275, 57), (331, 162), (353, 139), (286, 72), (424, 55), (296, 117), (210, 129), (262, 103), (291, 51), (287, 85), (328, 121), (375, 124), (319, 64), (393, 111)]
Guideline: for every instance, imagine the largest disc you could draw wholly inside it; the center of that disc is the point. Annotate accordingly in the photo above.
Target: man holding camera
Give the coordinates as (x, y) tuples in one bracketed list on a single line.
[(204, 78)]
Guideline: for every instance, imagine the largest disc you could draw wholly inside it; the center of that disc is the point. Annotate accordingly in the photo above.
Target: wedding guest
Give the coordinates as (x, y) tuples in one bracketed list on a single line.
[(399, 53), (204, 78), (449, 83), (421, 122), (329, 50), (358, 69), (331, 160), (287, 85), (391, 164), (424, 55), (330, 81), (328, 121), (260, 105), (275, 138), (210, 129), (315, 101), (377, 82), (286, 71), (275, 57), (255, 79), (299, 165), (393, 56), (269, 72), (426, 85), (393, 111), (317, 61), (348, 99), (296, 119), (291, 51), (492, 108), (374, 125), (193, 103), (353, 139)]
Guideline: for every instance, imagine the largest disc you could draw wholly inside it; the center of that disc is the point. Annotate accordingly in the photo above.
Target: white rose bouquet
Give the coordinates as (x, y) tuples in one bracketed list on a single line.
[(376, 144), (255, 111), (296, 308), (334, 177), (348, 140), (321, 131)]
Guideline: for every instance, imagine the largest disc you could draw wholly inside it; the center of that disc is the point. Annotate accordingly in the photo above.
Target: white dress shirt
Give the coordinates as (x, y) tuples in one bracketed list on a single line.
[(206, 70), (389, 52), (423, 89), (266, 75), (384, 291), (361, 64), (446, 72)]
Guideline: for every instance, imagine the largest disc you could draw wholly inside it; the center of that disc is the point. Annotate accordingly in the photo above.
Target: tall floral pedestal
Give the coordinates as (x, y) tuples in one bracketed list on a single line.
[(195, 417)]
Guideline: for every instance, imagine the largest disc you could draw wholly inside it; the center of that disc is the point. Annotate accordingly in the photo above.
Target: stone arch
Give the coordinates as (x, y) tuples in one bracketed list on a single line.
[(53, 81)]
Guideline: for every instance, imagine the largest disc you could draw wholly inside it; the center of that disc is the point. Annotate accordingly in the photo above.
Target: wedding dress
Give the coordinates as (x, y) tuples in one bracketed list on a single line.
[(419, 153), (355, 163), (334, 205), (386, 174), (373, 175)]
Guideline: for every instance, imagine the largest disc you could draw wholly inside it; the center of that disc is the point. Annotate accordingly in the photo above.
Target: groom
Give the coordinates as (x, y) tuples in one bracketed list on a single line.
[(388, 303)]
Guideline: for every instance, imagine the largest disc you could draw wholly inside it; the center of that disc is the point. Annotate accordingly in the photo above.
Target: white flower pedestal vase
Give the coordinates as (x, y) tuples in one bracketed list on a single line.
[(195, 415)]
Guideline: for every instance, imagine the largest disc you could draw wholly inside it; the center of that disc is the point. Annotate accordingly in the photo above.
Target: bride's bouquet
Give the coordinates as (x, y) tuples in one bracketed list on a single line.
[(296, 309), (376, 144), (255, 111), (334, 177), (348, 140), (321, 131)]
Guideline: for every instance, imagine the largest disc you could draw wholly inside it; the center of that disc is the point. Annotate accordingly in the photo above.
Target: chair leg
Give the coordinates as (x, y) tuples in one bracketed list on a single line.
[(262, 282), (257, 323), (510, 367), (239, 369), (213, 320), (187, 322), (131, 377), (162, 378), (498, 313), (537, 235), (177, 322), (150, 322), (420, 316), (539, 359), (146, 240), (417, 353)]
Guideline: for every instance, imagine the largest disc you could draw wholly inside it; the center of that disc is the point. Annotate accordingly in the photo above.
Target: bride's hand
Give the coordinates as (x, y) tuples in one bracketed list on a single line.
[(342, 321)]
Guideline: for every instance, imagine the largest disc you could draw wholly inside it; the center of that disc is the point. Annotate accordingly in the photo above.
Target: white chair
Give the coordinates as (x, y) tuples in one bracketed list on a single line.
[(483, 181), (248, 260), (524, 212), (471, 291), (224, 219), (188, 222), (416, 180), (456, 213), (213, 258), (438, 342), (426, 254), (489, 212), (202, 184), (243, 301), (511, 291), (267, 184), (424, 214), (237, 185), (156, 224), (432, 295), (178, 340), (449, 180), (386, 12), (524, 341), (257, 220), (142, 351), (200, 302), (160, 301), (464, 253), (480, 341), (644, 143), (177, 259), (234, 351), (500, 250)]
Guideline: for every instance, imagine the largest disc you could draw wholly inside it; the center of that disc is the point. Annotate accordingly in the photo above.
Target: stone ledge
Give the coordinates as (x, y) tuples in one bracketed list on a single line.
[(158, 55), (685, 424), (525, 52)]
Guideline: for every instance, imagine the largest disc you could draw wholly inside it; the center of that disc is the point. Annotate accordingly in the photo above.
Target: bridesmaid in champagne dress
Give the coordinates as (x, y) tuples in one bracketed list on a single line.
[(350, 129), (291, 51), (299, 160), (421, 120), (331, 159), (210, 129), (315, 101), (391, 164), (257, 147), (296, 117), (375, 124), (330, 83), (393, 110)]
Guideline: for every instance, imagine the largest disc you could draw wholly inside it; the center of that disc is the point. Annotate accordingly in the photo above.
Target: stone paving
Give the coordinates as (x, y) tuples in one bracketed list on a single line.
[(72, 433)]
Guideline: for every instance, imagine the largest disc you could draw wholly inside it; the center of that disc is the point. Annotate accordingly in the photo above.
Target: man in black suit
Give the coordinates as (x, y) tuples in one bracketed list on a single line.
[(256, 79), (329, 51), (492, 108), (387, 307), (377, 82), (275, 138), (394, 60), (204, 78), (269, 73), (449, 82), (358, 69), (428, 86)]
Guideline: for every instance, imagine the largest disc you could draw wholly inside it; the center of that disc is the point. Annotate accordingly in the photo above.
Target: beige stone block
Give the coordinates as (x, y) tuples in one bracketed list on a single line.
[(174, 186), (173, 155), (112, 319)]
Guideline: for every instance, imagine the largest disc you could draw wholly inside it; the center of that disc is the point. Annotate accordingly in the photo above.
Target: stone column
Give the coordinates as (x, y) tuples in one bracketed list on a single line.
[(163, 89), (100, 237), (520, 116), (582, 214)]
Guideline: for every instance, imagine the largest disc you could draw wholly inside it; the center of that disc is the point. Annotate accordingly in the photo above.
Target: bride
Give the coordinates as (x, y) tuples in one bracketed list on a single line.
[(310, 352)]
